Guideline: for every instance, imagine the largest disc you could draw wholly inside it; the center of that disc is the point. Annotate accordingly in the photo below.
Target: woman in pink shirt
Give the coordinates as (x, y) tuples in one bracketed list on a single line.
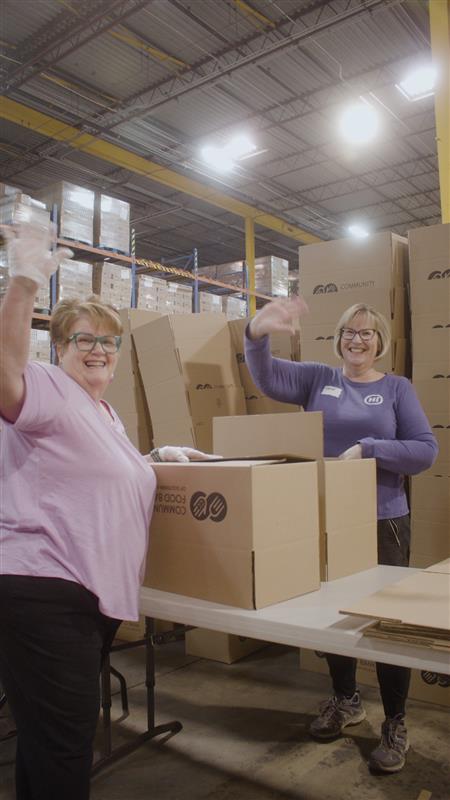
[(75, 507)]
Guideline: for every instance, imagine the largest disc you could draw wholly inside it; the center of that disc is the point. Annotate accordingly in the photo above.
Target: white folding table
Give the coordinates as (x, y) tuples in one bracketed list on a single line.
[(311, 621)]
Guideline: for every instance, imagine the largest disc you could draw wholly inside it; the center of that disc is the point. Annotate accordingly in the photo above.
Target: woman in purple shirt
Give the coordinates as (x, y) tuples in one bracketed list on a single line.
[(75, 508), (367, 414)]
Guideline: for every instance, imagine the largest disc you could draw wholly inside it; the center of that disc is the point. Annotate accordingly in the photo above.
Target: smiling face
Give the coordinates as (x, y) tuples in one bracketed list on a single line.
[(94, 370), (358, 355)]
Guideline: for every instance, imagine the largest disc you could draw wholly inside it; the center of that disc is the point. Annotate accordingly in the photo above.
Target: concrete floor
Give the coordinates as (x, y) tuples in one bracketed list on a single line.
[(245, 737)]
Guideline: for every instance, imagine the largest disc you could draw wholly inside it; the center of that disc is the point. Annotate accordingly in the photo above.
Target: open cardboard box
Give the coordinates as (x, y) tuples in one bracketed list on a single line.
[(244, 533), (347, 489)]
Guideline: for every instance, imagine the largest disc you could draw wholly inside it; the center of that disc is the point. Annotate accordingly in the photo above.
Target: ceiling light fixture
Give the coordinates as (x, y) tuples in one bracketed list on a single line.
[(224, 158), (418, 84), (358, 231), (359, 123)]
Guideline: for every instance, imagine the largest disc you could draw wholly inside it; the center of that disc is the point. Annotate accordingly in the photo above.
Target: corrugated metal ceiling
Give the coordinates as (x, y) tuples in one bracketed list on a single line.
[(288, 99)]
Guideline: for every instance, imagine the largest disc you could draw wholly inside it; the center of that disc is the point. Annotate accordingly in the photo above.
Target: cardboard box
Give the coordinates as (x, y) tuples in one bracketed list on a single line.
[(378, 262), (431, 339), (132, 631), (434, 396), (430, 538), (217, 646), (429, 253), (430, 498), (430, 295), (232, 532), (348, 541), (326, 309), (430, 687)]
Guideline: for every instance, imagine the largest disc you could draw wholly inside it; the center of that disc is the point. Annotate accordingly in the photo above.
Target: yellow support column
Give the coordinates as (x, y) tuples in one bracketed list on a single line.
[(250, 261), (440, 46)]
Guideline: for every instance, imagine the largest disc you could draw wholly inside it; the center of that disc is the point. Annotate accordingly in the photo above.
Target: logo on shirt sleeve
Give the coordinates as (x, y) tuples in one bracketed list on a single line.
[(332, 391), (373, 400)]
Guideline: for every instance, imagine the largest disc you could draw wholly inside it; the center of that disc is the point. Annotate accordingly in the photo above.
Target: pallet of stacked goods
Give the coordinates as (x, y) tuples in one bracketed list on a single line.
[(429, 258), (113, 283), (111, 224), (271, 274), (40, 349), (178, 298), (16, 206), (74, 279), (234, 307), (210, 302), (152, 293), (75, 210), (337, 274)]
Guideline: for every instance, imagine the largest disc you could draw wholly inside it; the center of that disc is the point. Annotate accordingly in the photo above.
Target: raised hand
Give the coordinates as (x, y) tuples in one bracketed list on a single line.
[(29, 251), (277, 316)]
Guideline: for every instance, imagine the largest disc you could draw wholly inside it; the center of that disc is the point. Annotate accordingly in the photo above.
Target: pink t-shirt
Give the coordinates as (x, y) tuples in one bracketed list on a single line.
[(76, 496)]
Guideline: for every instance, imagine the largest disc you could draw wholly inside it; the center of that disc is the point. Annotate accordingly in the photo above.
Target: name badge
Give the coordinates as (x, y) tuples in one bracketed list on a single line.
[(332, 391)]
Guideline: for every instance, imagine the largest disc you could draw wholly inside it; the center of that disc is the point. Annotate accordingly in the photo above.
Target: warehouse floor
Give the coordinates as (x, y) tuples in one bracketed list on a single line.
[(245, 737)]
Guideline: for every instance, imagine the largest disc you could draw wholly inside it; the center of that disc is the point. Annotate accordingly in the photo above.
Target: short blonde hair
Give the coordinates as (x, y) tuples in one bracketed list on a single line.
[(66, 312), (375, 320)]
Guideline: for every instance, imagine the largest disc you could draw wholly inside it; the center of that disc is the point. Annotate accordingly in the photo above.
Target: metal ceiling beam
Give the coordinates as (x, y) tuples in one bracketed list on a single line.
[(60, 38), (56, 129), (223, 63), (440, 46)]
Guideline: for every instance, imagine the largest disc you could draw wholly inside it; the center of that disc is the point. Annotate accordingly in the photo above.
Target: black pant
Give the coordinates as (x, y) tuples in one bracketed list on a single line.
[(393, 550), (52, 642)]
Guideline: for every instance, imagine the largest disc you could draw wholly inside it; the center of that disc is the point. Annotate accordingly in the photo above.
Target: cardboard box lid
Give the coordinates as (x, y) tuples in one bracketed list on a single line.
[(299, 435), (441, 566), (348, 485), (420, 599)]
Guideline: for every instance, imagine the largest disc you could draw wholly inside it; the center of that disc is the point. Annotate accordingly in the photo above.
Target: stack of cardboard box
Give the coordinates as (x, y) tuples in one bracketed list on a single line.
[(126, 392), (75, 209), (112, 224), (178, 298), (335, 275), (282, 346), (113, 283), (429, 254), (190, 375)]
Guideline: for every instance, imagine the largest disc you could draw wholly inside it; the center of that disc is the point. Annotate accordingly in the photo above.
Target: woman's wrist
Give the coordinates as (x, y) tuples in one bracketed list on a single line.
[(154, 455)]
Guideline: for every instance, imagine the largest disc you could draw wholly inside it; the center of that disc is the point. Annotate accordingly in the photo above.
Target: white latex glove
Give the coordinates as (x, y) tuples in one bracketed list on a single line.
[(352, 452), (278, 315), (29, 254), (184, 454)]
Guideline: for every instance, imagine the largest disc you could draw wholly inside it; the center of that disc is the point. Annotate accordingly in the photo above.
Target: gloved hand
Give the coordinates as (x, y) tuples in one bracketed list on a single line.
[(29, 254), (352, 452), (181, 454), (276, 316)]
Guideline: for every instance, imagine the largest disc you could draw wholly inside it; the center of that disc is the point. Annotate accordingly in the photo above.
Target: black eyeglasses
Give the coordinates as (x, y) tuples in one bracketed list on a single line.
[(366, 335), (85, 342)]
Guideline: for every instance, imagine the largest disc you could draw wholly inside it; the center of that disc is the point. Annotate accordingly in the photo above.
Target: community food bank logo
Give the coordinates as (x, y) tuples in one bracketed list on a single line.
[(436, 274), (322, 288), (208, 506), (435, 678), (373, 400)]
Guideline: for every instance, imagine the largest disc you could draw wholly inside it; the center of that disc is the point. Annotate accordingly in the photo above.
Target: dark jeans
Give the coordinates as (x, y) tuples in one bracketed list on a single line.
[(52, 642), (393, 549)]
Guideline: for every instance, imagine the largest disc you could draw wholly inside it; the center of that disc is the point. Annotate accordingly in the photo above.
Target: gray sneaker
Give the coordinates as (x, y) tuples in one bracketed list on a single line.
[(335, 714), (390, 755)]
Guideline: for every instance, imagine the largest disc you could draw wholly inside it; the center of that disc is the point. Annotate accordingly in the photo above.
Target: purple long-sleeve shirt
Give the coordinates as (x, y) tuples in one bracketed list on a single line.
[(383, 416)]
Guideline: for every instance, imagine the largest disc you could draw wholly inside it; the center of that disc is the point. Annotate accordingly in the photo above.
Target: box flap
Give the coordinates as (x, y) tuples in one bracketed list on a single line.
[(299, 435)]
